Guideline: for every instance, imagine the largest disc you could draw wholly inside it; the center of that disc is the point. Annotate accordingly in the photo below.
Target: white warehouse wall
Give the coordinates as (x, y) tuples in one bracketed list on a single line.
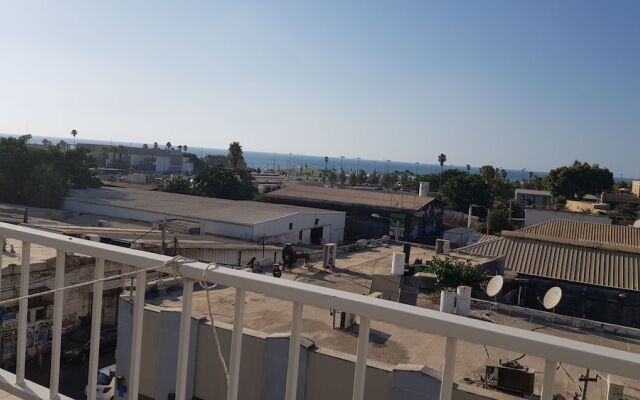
[(276, 230)]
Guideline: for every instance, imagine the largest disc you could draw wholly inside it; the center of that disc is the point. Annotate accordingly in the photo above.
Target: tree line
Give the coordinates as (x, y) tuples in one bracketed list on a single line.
[(225, 177), (41, 177)]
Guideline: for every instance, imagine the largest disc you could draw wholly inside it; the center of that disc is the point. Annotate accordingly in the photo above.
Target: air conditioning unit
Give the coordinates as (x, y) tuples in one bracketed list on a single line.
[(516, 379), (443, 246), (329, 255)]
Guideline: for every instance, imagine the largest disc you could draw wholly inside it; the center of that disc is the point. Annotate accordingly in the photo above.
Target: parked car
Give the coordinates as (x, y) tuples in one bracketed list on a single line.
[(76, 345), (106, 383)]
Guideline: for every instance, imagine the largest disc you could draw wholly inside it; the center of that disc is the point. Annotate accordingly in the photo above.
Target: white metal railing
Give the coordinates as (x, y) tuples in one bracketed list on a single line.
[(455, 328)]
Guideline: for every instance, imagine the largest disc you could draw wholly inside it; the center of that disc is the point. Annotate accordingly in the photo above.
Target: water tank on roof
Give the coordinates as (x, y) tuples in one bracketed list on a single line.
[(424, 189), (636, 224)]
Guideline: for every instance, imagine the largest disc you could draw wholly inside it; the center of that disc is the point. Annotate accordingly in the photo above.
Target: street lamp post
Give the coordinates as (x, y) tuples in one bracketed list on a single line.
[(396, 223)]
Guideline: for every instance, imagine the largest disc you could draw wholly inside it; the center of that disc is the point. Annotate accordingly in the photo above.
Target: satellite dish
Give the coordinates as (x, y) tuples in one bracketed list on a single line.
[(495, 285), (552, 298)]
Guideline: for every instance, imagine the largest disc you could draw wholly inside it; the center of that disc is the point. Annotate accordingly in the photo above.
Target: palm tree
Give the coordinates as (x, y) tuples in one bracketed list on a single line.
[(74, 133), (442, 158), (235, 155), (155, 145), (184, 147), (468, 169), (180, 148), (326, 161), (168, 145)]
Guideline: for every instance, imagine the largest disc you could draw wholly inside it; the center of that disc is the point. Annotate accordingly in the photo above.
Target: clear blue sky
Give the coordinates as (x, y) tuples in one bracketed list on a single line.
[(518, 84)]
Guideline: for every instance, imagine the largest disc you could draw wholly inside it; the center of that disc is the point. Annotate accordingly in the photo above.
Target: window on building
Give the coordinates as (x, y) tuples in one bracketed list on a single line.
[(300, 235), (317, 221), (290, 225)]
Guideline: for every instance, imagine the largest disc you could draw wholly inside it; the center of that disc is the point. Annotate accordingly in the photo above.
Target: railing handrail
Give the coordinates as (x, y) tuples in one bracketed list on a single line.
[(542, 345)]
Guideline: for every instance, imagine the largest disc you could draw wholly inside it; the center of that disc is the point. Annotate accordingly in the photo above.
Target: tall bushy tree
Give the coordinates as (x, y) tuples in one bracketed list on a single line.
[(463, 190), (224, 183), (578, 179), (236, 158), (41, 177)]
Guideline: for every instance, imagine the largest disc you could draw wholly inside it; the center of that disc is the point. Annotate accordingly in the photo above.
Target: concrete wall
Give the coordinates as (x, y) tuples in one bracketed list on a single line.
[(533, 216), (323, 374)]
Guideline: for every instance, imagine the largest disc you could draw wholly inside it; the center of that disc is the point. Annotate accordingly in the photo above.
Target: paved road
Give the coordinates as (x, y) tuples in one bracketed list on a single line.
[(73, 376)]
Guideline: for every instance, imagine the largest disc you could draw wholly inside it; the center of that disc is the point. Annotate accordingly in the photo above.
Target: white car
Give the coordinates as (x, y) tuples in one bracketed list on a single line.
[(106, 384)]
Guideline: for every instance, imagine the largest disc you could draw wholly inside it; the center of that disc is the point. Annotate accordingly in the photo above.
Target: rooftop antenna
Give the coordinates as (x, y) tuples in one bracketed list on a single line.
[(494, 287), (552, 298)]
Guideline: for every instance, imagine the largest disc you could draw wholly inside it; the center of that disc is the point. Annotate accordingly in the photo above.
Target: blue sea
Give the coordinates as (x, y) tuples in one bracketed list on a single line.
[(284, 161)]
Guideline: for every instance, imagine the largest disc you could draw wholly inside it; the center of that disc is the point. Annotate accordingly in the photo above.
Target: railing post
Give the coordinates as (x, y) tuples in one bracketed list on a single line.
[(294, 352), (1, 254), (96, 322), (549, 379), (58, 304), (183, 341), (361, 361), (23, 309), (446, 386), (236, 346), (136, 340)]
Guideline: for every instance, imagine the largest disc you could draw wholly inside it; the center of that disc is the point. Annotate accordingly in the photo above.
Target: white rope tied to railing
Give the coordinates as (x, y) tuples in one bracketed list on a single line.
[(173, 263), (207, 287)]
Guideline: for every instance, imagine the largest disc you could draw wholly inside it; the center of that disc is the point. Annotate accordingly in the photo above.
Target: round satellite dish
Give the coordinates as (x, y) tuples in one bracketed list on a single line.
[(552, 297), (495, 285)]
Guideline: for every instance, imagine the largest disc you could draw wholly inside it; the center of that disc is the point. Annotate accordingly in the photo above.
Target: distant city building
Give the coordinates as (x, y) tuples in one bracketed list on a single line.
[(140, 159), (635, 188), (419, 217), (533, 198)]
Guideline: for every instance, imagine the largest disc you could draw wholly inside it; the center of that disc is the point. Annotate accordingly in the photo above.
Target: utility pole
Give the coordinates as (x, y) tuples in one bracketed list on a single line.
[(163, 236), (586, 379)]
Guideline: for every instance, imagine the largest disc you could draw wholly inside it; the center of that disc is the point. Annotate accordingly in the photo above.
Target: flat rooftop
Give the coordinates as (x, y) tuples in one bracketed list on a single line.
[(394, 345), (321, 194), (193, 207)]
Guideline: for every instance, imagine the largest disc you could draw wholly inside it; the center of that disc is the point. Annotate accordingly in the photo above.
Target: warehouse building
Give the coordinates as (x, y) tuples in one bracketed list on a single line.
[(597, 266), (418, 218), (246, 220)]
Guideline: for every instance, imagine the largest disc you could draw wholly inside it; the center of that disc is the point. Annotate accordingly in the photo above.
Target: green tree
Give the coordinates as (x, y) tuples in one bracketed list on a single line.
[(374, 178), (342, 177), (353, 179), (468, 169), (168, 145), (387, 180), (224, 183), (442, 158), (498, 220), (502, 190), (453, 272), (578, 179), (176, 184), (236, 158), (332, 177), (41, 177), (362, 177), (487, 172), (461, 191)]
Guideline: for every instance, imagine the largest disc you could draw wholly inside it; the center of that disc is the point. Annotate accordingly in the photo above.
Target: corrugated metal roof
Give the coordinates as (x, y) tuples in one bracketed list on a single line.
[(351, 196), (587, 265), (586, 232), (195, 207)]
